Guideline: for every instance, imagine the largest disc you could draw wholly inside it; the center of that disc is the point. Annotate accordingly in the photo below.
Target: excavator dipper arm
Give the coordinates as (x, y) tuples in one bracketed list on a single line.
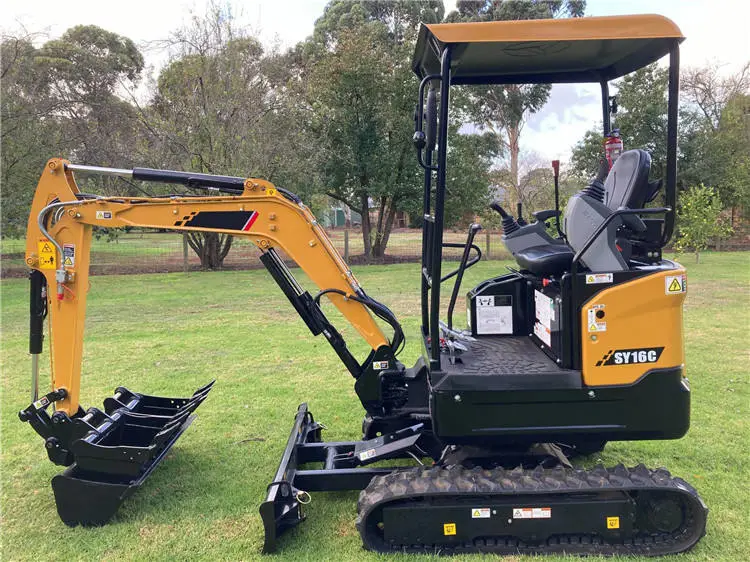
[(59, 241)]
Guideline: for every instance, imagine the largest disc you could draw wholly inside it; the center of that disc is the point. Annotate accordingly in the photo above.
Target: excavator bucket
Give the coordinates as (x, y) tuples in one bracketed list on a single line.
[(109, 453)]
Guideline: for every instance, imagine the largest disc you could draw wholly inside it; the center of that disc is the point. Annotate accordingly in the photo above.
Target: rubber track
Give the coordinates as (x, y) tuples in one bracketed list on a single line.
[(420, 483)]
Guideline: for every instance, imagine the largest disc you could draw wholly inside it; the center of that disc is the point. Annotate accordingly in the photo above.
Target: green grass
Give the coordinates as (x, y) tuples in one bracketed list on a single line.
[(168, 334)]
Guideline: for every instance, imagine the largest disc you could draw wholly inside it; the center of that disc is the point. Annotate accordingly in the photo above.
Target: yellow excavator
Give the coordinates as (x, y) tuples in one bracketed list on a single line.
[(578, 345)]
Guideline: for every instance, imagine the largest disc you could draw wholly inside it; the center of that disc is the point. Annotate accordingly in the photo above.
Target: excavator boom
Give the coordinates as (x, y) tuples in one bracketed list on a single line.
[(59, 241)]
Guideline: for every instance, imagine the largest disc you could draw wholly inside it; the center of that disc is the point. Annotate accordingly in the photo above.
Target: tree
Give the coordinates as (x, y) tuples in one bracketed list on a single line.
[(360, 91), (504, 109), (29, 133), (710, 91), (699, 220), (89, 70), (641, 119), (63, 99), (715, 146), (216, 110)]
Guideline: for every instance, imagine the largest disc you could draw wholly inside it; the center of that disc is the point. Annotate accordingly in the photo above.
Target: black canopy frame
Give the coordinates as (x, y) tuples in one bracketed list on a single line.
[(449, 56)]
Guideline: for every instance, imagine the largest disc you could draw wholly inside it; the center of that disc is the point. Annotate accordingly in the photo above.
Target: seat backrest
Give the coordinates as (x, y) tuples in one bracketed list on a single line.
[(627, 184)]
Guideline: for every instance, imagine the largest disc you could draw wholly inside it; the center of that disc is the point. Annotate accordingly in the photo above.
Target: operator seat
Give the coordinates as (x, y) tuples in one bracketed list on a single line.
[(626, 185)]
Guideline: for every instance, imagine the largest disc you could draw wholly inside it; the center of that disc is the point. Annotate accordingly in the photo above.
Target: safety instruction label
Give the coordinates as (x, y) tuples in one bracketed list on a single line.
[(449, 529), (379, 365), (106, 215), (545, 314), (368, 454), (480, 513), (69, 255), (596, 278), (595, 322), (494, 314), (613, 522), (46, 252), (675, 284), (532, 512)]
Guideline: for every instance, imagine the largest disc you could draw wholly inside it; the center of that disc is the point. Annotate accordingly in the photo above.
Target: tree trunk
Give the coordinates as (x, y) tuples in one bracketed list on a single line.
[(366, 227), (384, 230), (514, 135), (210, 247)]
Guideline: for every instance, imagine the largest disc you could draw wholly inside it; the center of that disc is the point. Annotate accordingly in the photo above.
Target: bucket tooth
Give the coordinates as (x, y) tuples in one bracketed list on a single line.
[(115, 450)]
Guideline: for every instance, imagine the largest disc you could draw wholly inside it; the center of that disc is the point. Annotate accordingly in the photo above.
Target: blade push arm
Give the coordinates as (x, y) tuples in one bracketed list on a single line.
[(59, 240)]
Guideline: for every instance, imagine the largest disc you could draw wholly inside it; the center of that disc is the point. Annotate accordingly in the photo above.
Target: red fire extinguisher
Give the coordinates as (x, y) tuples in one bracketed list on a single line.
[(613, 147)]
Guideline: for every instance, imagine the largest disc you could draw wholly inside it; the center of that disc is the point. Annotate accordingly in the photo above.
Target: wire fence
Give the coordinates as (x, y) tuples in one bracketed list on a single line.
[(149, 251)]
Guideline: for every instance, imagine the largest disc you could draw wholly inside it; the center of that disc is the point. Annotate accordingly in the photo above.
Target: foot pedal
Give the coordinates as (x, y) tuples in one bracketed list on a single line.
[(110, 453)]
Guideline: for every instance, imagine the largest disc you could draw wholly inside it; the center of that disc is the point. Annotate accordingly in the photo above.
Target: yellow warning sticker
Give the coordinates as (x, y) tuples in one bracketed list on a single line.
[(69, 255), (47, 253), (675, 284), (480, 513), (613, 522), (449, 529)]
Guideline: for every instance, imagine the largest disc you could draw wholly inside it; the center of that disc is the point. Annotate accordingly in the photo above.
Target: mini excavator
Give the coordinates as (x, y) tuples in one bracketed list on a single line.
[(578, 345)]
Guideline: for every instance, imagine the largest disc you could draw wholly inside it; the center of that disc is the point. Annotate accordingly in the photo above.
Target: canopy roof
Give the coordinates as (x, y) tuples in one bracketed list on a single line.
[(587, 49)]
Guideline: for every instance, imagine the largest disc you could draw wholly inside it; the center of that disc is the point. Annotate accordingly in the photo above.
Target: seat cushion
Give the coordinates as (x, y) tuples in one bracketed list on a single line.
[(549, 259)]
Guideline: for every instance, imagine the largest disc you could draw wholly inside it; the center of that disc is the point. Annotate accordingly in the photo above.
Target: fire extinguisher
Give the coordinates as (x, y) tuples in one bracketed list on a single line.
[(613, 147)]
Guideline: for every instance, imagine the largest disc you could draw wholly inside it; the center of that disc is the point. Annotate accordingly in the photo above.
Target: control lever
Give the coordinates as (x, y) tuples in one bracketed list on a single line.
[(519, 213), (509, 223)]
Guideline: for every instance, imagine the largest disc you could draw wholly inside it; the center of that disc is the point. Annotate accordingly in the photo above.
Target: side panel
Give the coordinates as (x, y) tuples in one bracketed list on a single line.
[(632, 328)]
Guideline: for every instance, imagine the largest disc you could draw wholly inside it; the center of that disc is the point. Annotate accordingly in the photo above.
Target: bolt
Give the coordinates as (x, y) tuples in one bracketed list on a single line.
[(457, 398), (78, 215), (510, 521), (271, 227), (592, 394), (174, 211), (312, 243), (272, 216), (494, 512), (593, 337)]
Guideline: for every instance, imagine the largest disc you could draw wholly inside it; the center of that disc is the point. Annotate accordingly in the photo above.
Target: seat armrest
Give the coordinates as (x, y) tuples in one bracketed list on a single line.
[(543, 216)]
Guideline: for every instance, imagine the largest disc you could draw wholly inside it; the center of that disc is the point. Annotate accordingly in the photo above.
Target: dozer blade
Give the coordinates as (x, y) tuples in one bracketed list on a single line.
[(115, 450)]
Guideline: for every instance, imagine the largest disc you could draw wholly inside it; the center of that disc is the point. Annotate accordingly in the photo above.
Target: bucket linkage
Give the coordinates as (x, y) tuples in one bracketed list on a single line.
[(110, 453)]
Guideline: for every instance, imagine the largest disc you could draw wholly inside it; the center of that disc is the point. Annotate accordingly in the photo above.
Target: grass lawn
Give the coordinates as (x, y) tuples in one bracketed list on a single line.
[(169, 334)]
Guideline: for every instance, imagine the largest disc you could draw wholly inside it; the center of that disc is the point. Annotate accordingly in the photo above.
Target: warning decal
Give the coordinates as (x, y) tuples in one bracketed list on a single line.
[(532, 512), (613, 522), (46, 254), (595, 316), (368, 454), (675, 284), (480, 513), (449, 529), (596, 278), (69, 255)]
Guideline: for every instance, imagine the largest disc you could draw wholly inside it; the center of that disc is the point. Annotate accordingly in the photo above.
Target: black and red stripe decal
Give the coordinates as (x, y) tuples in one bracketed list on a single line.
[(224, 220)]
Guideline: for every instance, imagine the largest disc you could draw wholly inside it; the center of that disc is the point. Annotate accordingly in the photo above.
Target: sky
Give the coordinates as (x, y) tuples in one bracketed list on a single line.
[(716, 30)]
